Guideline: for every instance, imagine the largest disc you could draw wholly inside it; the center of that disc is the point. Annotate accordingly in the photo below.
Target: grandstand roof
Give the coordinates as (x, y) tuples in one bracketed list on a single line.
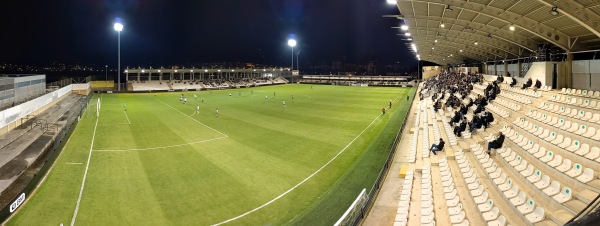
[(452, 31)]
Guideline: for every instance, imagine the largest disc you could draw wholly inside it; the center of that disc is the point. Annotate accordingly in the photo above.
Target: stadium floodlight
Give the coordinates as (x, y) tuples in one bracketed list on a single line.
[(407, 34), (119, 27), (292, 43), (392, 2), (404, 27), (511, 28)]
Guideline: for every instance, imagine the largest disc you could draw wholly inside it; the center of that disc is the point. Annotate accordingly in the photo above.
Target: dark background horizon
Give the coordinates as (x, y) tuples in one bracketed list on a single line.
[(162, 33)]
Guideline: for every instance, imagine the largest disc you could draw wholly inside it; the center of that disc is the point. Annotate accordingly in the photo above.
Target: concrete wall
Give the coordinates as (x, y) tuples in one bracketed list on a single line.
[(586, 74), (539, 70), (431, 71)]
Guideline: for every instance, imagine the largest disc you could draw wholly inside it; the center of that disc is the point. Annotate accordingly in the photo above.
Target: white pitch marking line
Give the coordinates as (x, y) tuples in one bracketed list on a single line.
[(191, 117), (301, 182), (125, 111), (165, 147), (74, 163), (87, 166)]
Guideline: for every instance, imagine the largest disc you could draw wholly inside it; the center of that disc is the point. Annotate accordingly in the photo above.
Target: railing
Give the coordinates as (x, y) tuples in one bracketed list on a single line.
[(372, 194), (585, 215), (44, 162)]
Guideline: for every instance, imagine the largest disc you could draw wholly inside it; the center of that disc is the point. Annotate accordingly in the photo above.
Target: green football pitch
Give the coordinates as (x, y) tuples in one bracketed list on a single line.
[(149, 159)]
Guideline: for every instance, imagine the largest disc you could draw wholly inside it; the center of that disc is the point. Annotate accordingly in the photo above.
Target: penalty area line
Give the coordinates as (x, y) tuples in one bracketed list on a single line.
[(301, 182), (164, 147)]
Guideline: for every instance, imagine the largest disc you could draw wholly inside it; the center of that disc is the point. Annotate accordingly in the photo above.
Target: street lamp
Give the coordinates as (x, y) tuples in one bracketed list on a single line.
[(119, 27), (292, 43)]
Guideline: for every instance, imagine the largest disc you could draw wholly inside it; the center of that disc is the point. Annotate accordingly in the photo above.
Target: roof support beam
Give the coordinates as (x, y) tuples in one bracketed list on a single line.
[(467, 39), (503, 35), (541, 30), (575, 11), (474, 53)]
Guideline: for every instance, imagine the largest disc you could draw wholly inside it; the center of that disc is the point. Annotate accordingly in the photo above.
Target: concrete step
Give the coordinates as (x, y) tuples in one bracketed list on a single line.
[(560, 217)]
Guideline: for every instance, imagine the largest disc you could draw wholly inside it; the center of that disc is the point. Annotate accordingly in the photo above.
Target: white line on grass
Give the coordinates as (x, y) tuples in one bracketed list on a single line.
[(74, 163), (87, 166), (191, 117), (301, 182), (165, 147), (125, 111)]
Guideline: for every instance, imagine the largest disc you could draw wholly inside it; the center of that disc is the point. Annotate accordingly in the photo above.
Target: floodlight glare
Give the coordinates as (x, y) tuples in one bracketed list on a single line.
[(392, 2), (292, 43), (118, 27), (407, 34), (512, 28), (404, 27)]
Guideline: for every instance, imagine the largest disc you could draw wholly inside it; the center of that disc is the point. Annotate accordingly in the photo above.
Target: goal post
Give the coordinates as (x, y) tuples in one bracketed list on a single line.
[(355, 210)]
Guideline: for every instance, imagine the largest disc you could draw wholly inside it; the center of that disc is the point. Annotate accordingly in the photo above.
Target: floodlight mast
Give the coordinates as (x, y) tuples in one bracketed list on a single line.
[(119, 27), (292, 43)]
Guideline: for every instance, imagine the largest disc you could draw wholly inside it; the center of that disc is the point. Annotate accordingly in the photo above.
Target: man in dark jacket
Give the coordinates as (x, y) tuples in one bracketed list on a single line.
[(460, 128), (437, 147), (456, 117), (476, 123), (527, 84), (538, 84), (513, 83), (497, 143)]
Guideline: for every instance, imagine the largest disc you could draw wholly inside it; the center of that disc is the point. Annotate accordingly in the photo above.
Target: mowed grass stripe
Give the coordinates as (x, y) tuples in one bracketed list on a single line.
[(267, 153)]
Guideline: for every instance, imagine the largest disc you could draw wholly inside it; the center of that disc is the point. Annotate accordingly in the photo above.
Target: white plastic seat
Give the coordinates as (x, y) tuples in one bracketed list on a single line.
[(458, 218), (535, 177), (536, 216), (482, 198), (593, 154), (477, 191), (453, 202), (566, 142), (514, 191), (427, 219), (501, 179), (426, 210), (549, 157), (455, 210), (451, 195), (564, 195), (491, 215), (553, 189), (522, 166), (575, 171), (541, 153), (506, 185), (474, 185), (501, 221), (559, 139), (584, 150), (528, 171), (543, 183), (496, 173), (575, 146), (566, 165), (581, 130), (487, 206), (528, 207), (519, 199), (586, 176), (556, 161)]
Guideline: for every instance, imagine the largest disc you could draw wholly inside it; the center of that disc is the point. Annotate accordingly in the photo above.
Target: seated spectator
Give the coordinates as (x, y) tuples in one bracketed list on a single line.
[(476, 123), (463, 109), (460, 128), (500, 78), (538, 84), (527, 84), (456, 118), (513, 83), (497, 143), (437, 147)]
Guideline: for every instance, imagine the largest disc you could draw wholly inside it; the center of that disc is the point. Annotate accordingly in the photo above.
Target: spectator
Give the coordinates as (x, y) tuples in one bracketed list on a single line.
[(538, 84), (476, 123), (513, 83), (437, 147), (527, 84), (497, 143)]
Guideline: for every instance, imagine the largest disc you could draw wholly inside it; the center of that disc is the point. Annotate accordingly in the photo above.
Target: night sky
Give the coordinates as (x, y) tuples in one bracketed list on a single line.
[(162, 32)]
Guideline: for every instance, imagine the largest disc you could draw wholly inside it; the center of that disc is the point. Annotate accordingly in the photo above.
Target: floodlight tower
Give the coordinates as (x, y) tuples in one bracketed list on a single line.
[(292, 43), (119, 27)]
